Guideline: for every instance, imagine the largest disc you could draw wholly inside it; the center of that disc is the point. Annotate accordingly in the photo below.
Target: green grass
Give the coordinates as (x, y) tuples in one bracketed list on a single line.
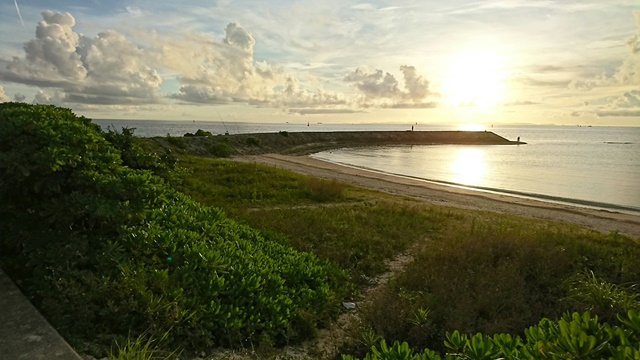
[(473, 270), (354, 228), (233, 185), (358, 237)]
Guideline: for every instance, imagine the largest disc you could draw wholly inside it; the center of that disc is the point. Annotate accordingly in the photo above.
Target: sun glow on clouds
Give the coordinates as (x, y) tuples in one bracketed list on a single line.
[(474, 80)]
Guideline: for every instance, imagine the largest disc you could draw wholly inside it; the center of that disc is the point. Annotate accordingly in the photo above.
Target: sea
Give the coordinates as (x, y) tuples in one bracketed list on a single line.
[(589, 166)]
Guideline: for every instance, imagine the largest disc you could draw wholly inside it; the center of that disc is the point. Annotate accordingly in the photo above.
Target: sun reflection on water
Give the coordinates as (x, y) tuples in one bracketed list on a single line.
[(468, 167)]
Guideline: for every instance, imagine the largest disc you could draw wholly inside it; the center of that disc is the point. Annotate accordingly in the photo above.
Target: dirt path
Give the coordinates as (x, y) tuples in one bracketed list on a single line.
[(329, 341), (601, 220)]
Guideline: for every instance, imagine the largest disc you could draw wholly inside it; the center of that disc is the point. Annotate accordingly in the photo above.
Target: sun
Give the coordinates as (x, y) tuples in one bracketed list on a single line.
[(474, 80)]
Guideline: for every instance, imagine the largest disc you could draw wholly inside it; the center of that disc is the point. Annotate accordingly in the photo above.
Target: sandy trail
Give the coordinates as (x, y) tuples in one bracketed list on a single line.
[(602, 220)]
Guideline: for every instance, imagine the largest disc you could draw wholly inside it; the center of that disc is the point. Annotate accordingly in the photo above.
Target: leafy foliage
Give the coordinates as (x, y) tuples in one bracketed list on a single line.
[(135, 155), (575, 336), (109, 249)]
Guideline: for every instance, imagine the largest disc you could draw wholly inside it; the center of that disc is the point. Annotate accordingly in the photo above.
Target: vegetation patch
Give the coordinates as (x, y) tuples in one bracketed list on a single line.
[(573, 336), (499, 276), (200, 132), (109, 251)]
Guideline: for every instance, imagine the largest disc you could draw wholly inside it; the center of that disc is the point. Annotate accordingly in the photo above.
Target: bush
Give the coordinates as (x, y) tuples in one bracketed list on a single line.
[(575, 336), (253, 141), (136, 156), (200, 132), (220, 149), (107, 251), (178, 142)]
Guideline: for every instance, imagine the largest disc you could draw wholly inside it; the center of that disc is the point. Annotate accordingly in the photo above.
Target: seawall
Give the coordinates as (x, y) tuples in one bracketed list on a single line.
[(302, 143)]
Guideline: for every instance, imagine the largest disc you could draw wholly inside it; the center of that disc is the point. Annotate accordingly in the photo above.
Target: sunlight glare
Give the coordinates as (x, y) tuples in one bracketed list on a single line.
[(474, 80), (468, 167)]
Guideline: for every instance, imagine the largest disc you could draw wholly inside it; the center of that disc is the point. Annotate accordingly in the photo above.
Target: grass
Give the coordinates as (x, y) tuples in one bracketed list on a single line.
[(473, 270), (233, 185), (354, 228), (358, 237), (142, 347)]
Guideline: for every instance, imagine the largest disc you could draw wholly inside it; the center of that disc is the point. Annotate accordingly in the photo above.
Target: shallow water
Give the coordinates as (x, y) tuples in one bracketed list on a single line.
[(590, 166)]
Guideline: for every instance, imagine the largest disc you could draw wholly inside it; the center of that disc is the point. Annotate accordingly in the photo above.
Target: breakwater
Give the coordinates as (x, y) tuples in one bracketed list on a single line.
[(302, 143)]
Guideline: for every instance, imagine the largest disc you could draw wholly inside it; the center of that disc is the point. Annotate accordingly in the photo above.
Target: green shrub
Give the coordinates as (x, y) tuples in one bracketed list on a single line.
[(200, 132), (576, 336), (107, 251), (253, 141), (220, 149), (178, 142), (135, 155)]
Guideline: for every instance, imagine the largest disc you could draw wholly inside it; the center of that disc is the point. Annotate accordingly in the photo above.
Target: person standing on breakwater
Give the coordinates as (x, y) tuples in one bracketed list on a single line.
[(518, 138)]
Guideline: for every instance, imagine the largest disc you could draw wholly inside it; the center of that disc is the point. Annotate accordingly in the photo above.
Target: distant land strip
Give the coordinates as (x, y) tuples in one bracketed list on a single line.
[(304, 143)]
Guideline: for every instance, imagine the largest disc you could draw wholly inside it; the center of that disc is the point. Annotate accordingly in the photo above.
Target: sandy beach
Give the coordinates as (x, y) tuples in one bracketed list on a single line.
[(602, 220)]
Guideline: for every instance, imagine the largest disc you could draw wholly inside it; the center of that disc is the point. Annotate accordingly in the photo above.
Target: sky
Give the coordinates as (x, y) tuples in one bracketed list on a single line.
[(565, 62)]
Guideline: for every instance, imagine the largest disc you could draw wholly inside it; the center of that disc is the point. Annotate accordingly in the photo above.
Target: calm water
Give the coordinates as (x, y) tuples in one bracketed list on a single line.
[(592, 166), (597, 166)]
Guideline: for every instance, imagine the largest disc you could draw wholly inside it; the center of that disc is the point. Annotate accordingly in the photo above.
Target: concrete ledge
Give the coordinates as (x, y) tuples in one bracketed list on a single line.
[(24, 333)]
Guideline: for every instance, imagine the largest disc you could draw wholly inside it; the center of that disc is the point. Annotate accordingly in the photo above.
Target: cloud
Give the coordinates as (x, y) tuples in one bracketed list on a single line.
[(417, 87), (627, 104), (114, 69), (55, 97), (628, 73), (314, 111), (622, 112), (520, 103), (630, 99), (634, 41), (107, 69), (220, 71), (374, 84), (422, 105), (382, 88), (19, 97), (530, 81), (3, 96)]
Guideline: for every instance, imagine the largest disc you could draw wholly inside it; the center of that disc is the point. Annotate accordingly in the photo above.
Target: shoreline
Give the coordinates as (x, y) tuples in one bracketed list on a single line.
[(459, 197), (519, 194)]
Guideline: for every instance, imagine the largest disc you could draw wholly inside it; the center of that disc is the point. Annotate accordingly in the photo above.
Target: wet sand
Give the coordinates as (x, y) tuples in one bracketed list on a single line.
[(602, 220)]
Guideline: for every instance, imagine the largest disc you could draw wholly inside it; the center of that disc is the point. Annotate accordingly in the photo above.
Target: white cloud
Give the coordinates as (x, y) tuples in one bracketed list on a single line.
[(219, 71), (55, 97), (3, 96), (225, 71), (623, 112), (382, 89), (107, 69), (374, 84), (313, 111), (630, 99), (628, 73), (634, 41)]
